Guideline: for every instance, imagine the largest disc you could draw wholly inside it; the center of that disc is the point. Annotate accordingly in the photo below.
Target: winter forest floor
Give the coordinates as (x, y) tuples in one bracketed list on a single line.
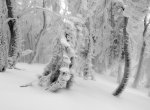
[(84, 95)]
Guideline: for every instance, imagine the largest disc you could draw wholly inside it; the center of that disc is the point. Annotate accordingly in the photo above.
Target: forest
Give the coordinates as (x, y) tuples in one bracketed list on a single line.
[(88, 51)]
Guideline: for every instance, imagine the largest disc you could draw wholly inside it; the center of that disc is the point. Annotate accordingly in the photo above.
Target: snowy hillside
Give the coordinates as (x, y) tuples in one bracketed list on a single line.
[(84, 95)]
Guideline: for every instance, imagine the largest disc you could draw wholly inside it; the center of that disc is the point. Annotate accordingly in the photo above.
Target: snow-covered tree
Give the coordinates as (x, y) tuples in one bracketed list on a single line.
[(14, 34), (3, 37), (138, 74), (127, 61), (135, 11), (58, 74)]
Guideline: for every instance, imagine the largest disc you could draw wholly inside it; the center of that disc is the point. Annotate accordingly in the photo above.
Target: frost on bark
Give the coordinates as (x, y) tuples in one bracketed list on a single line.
[(123, 83), (88, 58), (119, 46), (3, 38), (83, 49), (115, 21), (136, 10), (87, 67), (57, 74), (13, 44)]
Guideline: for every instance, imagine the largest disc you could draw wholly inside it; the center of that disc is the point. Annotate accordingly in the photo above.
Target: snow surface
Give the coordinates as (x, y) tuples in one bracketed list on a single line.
[(84, 95)]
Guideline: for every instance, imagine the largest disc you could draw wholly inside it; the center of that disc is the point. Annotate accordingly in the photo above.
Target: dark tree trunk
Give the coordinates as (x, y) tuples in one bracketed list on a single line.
[(123, 83), (13, 34)]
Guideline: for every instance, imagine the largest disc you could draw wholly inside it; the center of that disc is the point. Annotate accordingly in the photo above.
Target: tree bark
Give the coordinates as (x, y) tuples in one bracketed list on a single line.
[(13, 54), (123, 83), (3, 38)]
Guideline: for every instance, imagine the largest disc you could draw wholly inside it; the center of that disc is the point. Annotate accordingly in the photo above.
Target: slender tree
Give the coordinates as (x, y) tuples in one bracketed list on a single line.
[(40, 34), (123, 83), (139, 67)]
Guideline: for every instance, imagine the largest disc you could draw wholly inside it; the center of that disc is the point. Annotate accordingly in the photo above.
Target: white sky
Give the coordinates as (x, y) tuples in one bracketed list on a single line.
[(63, 6)]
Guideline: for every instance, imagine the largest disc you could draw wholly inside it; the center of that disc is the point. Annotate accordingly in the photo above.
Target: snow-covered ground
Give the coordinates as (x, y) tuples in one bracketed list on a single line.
[(84, 95)]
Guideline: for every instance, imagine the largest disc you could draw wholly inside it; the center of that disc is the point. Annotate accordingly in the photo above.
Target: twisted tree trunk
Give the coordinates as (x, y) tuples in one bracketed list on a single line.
[(123, 83)]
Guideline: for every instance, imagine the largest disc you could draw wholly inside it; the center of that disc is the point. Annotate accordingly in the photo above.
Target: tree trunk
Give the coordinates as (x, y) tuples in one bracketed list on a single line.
[(57, 74), (3, 38), (123, 83), (34, 55), (13, 52), (138, 74)]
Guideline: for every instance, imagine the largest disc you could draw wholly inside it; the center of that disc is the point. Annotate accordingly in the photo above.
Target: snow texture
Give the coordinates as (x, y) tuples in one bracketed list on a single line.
[(83, 95)]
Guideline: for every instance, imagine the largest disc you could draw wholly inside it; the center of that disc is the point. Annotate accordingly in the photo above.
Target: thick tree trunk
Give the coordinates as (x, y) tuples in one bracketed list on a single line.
[(123, 83), (13, 54), (57, 74), (35, 53), (139, 74), (3, 38)]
